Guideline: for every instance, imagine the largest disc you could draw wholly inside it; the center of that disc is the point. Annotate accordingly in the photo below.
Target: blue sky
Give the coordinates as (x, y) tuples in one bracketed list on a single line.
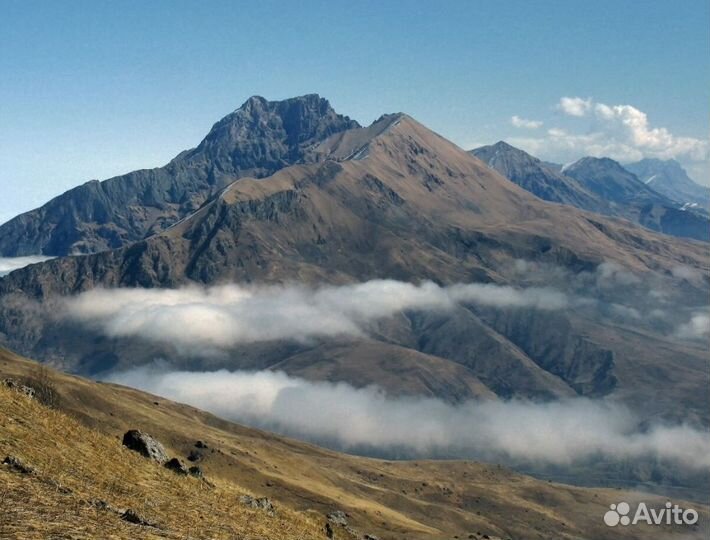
[(94, 89)]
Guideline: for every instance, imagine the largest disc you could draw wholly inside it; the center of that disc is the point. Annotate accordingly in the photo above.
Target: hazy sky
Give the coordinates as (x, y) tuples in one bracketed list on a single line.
[(94, 89)]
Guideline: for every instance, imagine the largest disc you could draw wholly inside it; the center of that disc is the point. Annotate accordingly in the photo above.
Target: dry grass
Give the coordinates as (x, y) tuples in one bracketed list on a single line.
[(78, 447), (75, 465)]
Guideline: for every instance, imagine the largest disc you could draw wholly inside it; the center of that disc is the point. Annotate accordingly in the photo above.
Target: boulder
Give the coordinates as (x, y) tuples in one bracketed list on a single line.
[(16, 464), (145, 445), (194, 455), (338, 517), (176, 466), (131, 516), (195, 471), (17, 386), (260, 503)]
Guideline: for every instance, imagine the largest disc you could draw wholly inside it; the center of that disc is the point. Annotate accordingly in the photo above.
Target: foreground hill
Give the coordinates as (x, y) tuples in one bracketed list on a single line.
[(83, 477)]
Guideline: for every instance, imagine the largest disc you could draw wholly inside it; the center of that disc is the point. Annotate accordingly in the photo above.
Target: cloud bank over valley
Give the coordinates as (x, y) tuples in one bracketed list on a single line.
[(227, 315), (337, 415)]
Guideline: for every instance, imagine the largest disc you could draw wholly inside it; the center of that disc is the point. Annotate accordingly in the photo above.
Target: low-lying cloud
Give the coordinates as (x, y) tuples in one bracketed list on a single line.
[(10, 264), (227, 315), (366, 420)]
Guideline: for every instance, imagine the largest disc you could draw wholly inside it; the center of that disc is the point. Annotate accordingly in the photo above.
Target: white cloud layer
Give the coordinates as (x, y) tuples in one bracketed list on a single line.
[(9, 264), (342, 417), (698, 327), (226, 315), (621, 132), (574, 106), (519, 122)]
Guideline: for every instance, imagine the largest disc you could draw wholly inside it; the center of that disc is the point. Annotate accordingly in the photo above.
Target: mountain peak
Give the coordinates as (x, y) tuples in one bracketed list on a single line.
[(533, 175), (592, 163), (500, 149), (502, 145), (263, 134), (307, 101)]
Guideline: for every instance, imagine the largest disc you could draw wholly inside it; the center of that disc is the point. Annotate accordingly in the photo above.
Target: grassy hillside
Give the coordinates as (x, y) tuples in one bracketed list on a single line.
[(84, 478)]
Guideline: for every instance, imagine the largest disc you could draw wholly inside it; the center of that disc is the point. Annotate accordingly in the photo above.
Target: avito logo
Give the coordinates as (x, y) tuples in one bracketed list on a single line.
[(672, 514)]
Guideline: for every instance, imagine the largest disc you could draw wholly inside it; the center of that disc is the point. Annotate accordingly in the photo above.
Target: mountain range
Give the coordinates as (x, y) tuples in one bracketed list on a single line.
[(605, 186), (292, 192)]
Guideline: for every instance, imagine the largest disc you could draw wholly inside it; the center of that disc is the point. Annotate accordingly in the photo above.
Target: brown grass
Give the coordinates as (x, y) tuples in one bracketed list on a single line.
[(75, 465), (78, 447)]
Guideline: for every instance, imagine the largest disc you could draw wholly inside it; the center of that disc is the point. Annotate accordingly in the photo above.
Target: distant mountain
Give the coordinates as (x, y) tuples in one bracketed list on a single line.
[(610, 180), (537, 177), (596, 184), (256, 140), (634, 199), (670, 179), (557, 167)]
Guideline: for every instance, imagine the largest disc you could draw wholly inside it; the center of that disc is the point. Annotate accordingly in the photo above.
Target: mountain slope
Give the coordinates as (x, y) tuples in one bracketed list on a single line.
[(411, 206), (636, 200), (78, 458), (670, 179), (538, 178), (256, 140)]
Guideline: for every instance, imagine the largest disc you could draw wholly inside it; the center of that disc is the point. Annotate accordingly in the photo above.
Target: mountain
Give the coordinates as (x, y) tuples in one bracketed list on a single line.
[(256, 140), (596, 184), (670, 179), (557, 167), (393, 200), (538, 178), (636, 200), (79, 481)]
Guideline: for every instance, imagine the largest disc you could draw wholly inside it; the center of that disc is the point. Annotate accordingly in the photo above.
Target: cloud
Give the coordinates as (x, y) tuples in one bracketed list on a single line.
[(698, 327), (631, 126), (692, 275), (10, 264), (574, 106), (611, 274), (226, 315), (621, 132), (519, 122), (366, 420)]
